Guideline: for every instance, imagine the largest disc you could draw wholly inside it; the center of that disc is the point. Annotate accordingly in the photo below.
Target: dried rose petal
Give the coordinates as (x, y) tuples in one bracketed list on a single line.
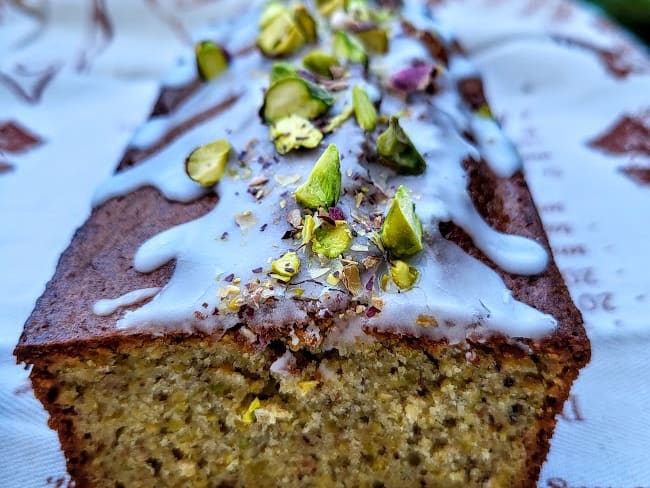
[(372, 311), (336, 213), (415, 78)]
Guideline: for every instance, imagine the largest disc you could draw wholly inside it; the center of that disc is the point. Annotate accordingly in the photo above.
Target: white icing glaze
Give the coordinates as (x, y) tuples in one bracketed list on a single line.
[(216, 258), (109, 306)]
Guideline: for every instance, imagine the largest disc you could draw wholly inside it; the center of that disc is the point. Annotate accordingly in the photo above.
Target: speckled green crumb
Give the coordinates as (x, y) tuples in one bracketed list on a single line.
[(378, 415)]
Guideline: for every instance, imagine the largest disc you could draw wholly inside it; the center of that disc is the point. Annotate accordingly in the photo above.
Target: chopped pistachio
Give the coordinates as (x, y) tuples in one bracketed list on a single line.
[(271, 11), (211, 60), (286, 267), (485, 111), (308, 229), (358, 9), (384, 282), (336, 121), (352, 279), (294, 217), (401, 233), (403, 275), (293, 132), (426, 321), (373, 38), (245, 220), (295, 96), (248, 416), (349, 48), (331, 241), (333, 278), (397, 150), (306, 22), (207, 164), (364, 110), (281, 35), (328, 7), (307, 386), (323, 186), (282, 69), (319, 62)]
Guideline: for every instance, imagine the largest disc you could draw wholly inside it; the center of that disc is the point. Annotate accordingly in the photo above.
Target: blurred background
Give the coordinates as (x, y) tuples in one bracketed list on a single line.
[(634, 14)]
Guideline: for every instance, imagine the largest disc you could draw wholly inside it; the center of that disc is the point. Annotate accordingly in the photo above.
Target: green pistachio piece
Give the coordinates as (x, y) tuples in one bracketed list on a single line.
[(248, 417), (293, 132), (398, 152), (281, 36), (348, 48), (305, 22), (401, 233), (211, 60), (207, 163), (403, 275), (328, 7), (374, 39), (364, 110), (331, 241), (281, 70), (323, 186), (286, 267), (308, 229), (271, 11), (338, 120), (297, 96), (485, 111), (319, 62), (358, 9)]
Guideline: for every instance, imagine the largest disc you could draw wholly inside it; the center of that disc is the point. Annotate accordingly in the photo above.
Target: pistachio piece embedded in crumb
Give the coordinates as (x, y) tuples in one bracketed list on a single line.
[(401, 233), (331, 241), (323, 186), (293, 132), (211, 60), (319, 62), (364, 110), (248, 417), (403, 275), (348, 48), (295, 96), (282, 69), (280, 35), (207, 164), (286, 267), (398, 152), (373, 38)]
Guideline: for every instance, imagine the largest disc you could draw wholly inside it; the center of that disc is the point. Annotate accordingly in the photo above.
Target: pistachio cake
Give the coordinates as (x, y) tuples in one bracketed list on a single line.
[(318, 264)]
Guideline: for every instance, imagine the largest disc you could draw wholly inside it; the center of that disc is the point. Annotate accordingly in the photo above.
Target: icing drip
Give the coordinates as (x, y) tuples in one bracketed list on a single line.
[(109, 306), (223, 258)]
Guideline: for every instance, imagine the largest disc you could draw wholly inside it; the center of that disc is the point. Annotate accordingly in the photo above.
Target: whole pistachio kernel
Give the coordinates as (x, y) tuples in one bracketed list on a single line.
[(401, 232), (319, 62), (331, 241), (364, 110), (286, 267), (281, 36), (323, 186), (398, 152), (282, 70), (293, 132), (348, 48), (293, 95), (211, 60), (207, 164), (403, 275)]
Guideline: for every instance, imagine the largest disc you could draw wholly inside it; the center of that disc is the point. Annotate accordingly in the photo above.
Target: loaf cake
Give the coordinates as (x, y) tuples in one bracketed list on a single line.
[(318, 264)]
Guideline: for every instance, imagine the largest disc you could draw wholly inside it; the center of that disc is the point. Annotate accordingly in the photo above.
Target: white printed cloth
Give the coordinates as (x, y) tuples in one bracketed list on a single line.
[(77, 78)]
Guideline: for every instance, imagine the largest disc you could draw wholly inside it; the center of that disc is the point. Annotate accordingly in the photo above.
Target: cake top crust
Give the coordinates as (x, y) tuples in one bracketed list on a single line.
[(211, 262)]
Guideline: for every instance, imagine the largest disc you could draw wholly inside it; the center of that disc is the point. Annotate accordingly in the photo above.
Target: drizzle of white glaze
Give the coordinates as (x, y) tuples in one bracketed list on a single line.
[(109, 306), (464, 295)]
